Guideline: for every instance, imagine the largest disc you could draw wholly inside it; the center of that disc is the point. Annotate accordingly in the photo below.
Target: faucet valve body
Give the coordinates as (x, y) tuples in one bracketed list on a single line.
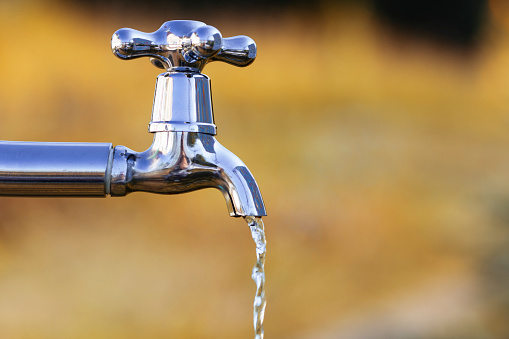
[(182, 103)]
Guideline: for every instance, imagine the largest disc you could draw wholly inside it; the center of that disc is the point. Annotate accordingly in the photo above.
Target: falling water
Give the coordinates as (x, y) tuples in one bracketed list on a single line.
[(258, 234)]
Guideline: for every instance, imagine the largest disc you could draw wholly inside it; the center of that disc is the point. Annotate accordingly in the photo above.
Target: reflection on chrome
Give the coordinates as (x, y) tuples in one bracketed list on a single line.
[(179, 162), (184, 155), (181, 44)]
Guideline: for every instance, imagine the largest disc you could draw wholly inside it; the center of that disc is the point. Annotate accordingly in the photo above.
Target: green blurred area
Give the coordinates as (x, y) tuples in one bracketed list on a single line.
[(382, 160)]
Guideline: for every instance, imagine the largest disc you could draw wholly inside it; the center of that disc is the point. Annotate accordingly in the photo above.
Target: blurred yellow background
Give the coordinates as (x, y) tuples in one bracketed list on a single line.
[(382, 158)]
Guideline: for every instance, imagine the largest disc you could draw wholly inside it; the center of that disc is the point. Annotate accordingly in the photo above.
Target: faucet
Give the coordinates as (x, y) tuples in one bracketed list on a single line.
[(184, 156)]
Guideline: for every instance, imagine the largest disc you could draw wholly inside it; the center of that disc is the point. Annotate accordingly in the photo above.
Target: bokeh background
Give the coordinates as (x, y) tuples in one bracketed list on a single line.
[(377, 132)]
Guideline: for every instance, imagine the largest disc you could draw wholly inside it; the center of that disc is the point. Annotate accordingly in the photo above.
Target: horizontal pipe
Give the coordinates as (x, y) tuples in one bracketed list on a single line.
[(54, 169)]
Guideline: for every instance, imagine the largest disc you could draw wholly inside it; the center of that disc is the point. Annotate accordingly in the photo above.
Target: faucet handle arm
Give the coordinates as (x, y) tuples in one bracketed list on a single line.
[(183, 45), (238, 51)]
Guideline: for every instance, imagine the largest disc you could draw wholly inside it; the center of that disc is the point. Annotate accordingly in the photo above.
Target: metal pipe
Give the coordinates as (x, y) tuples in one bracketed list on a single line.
[(54, 169)]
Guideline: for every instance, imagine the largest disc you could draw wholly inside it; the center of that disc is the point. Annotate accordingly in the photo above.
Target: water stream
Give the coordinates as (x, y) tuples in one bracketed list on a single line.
[(258, 275)]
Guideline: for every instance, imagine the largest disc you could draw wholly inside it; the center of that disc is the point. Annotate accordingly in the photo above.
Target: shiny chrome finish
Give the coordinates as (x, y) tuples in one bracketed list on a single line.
[(183, 45), (182, 103), (54, 169), (184, 155), (179, 162)]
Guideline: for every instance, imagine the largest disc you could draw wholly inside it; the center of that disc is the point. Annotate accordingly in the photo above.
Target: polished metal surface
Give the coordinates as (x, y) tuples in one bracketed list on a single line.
[(184, 156), (53, 169), (183, 45), (179, 162), (182, 103)]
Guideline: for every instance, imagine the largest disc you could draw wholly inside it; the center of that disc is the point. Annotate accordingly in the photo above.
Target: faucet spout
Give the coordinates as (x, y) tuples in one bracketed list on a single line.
[(179, 162)]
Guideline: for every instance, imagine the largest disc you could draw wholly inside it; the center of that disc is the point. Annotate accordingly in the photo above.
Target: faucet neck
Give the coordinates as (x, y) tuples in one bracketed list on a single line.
[(182, 103)]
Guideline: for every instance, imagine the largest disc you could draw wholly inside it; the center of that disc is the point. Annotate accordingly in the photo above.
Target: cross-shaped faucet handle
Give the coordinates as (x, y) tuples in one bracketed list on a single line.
[(183, 45)]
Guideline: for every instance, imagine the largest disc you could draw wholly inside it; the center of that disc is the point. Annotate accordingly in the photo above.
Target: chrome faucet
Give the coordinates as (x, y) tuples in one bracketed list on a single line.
[(184, 155)]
